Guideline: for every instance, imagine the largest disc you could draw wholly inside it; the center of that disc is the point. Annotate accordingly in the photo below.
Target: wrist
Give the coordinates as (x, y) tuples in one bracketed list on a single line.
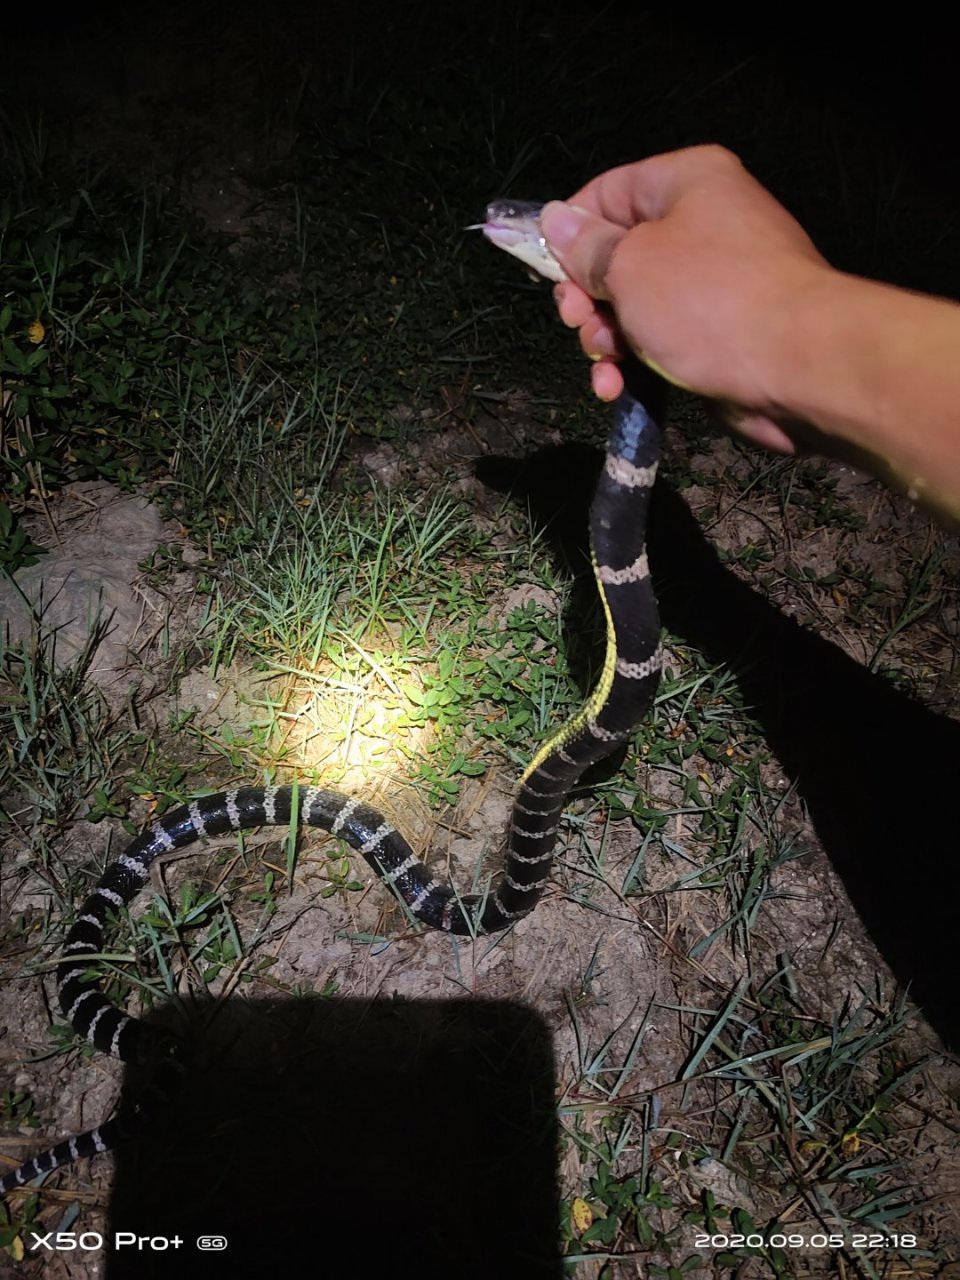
[(791, 341)]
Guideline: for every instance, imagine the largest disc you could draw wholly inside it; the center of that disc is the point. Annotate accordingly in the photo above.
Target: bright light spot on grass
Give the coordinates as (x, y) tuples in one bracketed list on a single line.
[(356, 736), (376, 734)]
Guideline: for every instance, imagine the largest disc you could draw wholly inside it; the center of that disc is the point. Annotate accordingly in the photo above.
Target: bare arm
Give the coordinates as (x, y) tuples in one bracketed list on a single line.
[(707, 277)]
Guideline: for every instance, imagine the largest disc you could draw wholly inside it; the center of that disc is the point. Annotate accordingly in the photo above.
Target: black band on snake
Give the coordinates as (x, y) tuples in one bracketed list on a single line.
[(608, 718)]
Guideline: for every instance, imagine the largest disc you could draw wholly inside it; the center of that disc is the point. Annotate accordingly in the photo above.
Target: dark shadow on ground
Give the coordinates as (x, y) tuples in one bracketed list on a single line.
[(353, 1138), (876, 770)]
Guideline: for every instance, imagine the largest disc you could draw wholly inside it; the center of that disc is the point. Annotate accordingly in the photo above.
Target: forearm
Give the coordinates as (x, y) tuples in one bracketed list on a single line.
[(878, 369)]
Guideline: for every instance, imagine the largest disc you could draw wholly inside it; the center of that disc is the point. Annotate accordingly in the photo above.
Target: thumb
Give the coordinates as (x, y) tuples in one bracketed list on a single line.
[(583, 243)]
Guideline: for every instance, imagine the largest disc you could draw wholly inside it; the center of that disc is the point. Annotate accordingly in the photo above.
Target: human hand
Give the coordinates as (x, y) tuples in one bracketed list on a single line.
[(689, 262)]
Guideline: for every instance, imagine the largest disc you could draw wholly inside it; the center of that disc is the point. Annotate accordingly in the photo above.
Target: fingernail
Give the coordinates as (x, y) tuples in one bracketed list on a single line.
[(560, 222)]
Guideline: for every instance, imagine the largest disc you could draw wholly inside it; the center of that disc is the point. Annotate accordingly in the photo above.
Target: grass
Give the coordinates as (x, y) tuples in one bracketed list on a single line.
[(798, 1110), (252, 389)]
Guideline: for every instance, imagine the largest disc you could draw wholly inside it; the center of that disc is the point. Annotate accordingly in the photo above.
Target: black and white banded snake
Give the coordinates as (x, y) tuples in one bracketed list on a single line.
[(621, 698)]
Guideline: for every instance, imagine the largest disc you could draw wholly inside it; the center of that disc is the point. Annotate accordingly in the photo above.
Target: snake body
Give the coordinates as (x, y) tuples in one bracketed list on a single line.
[(608, 718)]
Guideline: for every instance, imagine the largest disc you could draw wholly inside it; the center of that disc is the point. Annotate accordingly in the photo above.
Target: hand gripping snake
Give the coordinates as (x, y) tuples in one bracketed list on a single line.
[(608, 718)]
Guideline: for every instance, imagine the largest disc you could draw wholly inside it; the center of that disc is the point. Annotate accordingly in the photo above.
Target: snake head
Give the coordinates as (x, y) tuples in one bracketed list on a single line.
[(514, 226)]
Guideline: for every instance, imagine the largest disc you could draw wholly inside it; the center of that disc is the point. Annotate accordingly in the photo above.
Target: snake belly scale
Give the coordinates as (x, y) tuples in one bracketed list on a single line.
[(609, 716)]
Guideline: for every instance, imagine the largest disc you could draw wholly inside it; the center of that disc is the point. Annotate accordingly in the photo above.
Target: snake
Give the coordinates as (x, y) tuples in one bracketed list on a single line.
[(608, 717)]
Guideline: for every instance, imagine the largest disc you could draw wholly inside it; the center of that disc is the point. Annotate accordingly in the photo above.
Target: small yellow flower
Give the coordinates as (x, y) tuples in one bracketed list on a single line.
[(36, 333)]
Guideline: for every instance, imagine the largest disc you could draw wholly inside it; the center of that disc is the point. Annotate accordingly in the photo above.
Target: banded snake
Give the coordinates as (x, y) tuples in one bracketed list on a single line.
[(607, 718)]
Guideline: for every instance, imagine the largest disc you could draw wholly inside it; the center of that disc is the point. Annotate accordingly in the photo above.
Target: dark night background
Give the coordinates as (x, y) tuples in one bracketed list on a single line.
[(845, 124)]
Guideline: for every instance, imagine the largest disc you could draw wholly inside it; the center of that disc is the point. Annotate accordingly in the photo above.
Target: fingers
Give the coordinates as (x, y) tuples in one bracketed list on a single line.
[(606, 380), (589, 254), (574, 304), (599, 333), (583, 243), (588, 257), (759, 429)]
